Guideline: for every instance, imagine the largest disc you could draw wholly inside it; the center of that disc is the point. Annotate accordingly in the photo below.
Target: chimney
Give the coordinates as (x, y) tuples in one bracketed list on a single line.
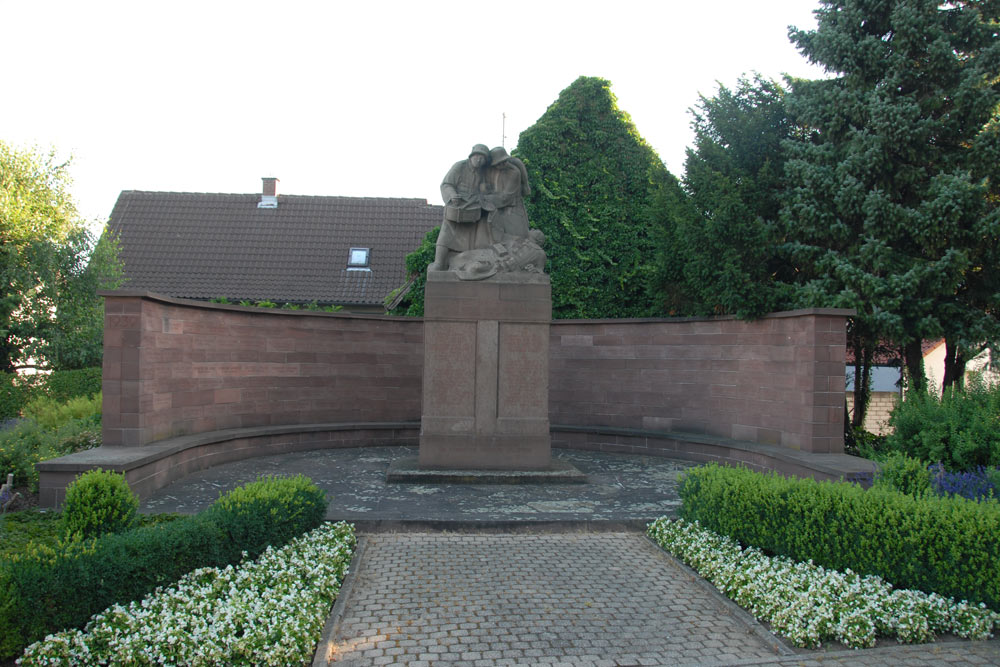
[(269, 198)]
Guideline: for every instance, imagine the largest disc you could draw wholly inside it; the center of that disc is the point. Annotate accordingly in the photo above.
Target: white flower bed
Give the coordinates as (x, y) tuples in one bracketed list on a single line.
[(809, 604), (270, 611)]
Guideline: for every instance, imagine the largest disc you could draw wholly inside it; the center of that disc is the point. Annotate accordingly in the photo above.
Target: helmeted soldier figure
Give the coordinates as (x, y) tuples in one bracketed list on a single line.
[(465, 226)]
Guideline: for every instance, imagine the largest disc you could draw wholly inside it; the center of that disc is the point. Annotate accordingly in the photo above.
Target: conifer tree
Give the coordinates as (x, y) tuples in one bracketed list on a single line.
[(892, 198), (723, 248)]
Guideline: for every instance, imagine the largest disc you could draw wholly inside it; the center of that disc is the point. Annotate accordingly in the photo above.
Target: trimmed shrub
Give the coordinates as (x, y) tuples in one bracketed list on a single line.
[(271, 510), (904, 474), (49, 589), (960, 429), (99, 502), (949, 546)]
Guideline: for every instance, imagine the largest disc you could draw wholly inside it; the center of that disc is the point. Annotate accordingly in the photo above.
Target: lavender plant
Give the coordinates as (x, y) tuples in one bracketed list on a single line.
[(975, 484)]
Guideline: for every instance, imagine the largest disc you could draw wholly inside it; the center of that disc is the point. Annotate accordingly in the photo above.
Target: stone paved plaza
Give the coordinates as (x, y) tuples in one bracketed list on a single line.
[(528, 574)]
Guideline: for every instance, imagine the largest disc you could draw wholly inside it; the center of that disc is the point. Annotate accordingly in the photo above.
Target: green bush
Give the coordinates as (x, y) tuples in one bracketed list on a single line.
[(24, 445), (867, 445), (21, 448), (960, 429), (61, 386), (949, 546), (47, 589), (902, 473), (99, 502), (271, 510), (40, 526), (48, 413), (993, 474)]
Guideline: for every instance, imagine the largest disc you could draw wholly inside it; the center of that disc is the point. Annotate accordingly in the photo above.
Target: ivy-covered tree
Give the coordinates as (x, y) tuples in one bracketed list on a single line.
[(408, 299), (593, 180), (721, 250), (891, 205)]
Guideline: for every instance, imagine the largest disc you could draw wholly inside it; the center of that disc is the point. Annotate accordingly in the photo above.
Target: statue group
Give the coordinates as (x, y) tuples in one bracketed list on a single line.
[(485, 229)]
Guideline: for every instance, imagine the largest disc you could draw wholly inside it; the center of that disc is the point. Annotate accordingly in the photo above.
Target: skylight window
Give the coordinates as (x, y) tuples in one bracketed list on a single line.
[(358, 259)]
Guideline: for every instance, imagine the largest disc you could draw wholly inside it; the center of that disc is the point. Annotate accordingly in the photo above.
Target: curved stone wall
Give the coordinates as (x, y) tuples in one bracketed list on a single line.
[(175, 367), (776, 381), (189, 384)]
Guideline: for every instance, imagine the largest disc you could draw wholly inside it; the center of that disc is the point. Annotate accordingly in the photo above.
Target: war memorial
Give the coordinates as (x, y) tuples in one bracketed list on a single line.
[(486, 382), (449, 441)]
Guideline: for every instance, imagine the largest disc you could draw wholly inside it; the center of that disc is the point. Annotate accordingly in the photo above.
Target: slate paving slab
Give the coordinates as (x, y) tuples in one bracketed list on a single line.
[(624, 488)]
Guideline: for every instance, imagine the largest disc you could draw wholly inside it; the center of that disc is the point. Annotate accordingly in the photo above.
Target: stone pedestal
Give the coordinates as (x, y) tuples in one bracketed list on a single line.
[(486, 373)]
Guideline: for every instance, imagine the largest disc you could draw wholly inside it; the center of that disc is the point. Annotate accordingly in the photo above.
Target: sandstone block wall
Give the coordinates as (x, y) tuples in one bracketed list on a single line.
[(175, 367), (777, 381)]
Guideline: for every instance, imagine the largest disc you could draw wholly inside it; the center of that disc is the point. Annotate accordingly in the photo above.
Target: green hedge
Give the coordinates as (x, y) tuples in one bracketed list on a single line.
[(45, 590), (272, 510), (16, 391), (950, 546), (61, 386)]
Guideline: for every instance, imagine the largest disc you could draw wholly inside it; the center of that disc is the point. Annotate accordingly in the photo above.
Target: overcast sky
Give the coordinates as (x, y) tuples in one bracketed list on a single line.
[(352, 98)]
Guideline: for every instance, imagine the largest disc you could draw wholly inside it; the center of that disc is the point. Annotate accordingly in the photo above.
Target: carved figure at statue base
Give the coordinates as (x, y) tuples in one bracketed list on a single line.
[(513, 255)]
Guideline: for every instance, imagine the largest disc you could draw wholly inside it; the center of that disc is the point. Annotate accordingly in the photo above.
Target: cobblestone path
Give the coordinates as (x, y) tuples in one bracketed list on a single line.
[(561, 599)]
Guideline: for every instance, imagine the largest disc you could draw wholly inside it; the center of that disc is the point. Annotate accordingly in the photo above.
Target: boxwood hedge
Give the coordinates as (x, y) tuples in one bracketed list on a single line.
[(46, 589), (946, 545)]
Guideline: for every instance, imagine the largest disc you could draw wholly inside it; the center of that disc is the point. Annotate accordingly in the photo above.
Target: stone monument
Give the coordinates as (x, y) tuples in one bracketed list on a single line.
[(487, 310)]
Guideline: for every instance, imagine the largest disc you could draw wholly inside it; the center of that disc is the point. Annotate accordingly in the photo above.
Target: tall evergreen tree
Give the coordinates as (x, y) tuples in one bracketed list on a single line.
[(593, 180), (722, 248), (892, 199)]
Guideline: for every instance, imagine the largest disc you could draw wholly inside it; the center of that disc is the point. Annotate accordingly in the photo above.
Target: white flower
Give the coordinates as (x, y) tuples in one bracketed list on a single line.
[(268, 611), (809, 604)]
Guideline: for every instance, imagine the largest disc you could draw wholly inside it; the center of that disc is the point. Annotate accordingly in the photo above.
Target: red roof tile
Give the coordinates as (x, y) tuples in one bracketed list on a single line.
[(203, 246)]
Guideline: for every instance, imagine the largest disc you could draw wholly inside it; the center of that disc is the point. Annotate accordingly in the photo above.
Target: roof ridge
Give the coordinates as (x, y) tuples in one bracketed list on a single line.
[(420, 200)]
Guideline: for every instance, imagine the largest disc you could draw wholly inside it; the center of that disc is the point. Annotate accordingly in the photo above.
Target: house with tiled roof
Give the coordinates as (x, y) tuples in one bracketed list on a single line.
[(346, 251)]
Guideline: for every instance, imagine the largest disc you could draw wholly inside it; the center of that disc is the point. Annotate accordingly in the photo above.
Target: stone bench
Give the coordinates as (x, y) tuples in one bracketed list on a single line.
[(151, 467)]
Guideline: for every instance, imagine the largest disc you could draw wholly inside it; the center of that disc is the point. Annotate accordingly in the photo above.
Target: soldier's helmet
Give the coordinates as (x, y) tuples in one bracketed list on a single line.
[(498, 155)]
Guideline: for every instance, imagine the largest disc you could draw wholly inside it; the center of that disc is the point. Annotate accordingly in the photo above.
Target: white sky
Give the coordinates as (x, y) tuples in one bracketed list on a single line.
[(352, 98)]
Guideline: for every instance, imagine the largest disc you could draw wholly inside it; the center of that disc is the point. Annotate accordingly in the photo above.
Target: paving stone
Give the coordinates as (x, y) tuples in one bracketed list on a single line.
[(568, 598), (543, 598)]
